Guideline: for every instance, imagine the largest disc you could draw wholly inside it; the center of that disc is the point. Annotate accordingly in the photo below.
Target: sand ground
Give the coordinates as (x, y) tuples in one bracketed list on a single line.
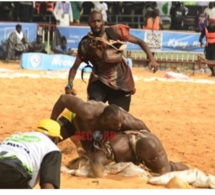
[(181, 114)]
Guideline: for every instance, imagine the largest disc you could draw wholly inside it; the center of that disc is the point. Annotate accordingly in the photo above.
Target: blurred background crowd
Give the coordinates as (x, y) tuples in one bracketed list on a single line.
[(175, 15), (152, 15)]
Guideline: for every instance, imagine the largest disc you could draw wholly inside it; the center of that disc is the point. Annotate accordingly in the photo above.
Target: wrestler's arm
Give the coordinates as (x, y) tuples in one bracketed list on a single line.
[(145, 48), (98, 161), (132, 123), (72, 72), (73, 69), (74, 104)]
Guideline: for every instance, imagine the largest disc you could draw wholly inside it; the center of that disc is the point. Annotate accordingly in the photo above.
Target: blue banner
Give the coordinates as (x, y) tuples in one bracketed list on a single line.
[(185, 42), (138, 33), (30, 29), (39, 61), (73, 34), (158, 41)]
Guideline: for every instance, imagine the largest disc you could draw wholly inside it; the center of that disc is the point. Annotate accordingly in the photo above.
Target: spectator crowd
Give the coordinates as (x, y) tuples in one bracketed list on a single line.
[(140, 14), (133, 14)]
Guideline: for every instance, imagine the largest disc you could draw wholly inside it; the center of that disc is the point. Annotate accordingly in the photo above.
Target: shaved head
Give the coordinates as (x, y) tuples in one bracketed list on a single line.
[(111, 109), (112, 116), (94, 12)]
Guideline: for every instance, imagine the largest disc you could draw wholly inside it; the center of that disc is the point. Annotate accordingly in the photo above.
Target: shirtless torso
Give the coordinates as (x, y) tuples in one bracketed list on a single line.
[(89, 116)]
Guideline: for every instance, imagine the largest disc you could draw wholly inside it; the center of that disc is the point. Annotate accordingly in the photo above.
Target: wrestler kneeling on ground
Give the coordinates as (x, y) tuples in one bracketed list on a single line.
[(139, 147), (84, 118), (93, 116)]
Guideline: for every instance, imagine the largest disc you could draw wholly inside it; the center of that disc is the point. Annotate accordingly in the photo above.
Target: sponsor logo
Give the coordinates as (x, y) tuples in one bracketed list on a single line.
[(96, 135), (59, 61), (35, 60)]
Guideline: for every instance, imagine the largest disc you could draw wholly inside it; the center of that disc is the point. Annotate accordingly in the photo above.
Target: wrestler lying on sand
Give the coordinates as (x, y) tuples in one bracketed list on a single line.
[(137, 145)]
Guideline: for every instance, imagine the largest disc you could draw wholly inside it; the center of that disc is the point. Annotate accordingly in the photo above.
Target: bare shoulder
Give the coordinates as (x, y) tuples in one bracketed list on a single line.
[(90, 110), (125, 114), (132, 123), (98, 107), (96, 103)]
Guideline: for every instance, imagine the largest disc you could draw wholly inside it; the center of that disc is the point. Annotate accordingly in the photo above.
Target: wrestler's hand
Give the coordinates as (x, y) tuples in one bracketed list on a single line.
[(153, 66), (73, 92), (70, 90), (133, 91)]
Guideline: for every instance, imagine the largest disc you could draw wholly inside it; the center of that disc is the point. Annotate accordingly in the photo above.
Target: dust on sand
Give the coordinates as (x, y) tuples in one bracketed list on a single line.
[(181, 114)]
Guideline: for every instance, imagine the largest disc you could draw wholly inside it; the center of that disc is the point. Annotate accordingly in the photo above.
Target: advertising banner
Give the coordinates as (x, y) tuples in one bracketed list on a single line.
[(39, 61), (73, 34), (158, 41)]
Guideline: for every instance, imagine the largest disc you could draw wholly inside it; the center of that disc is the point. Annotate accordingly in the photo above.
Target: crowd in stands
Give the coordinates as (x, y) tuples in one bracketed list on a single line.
[(134, 14), (140, 14)]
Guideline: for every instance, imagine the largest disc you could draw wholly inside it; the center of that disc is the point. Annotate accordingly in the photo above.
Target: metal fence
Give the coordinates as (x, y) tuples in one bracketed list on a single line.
[(135, 21)]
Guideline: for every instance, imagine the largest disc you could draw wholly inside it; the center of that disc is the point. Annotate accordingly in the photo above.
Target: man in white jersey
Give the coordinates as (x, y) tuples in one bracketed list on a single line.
[(103, 8), (32, 157)]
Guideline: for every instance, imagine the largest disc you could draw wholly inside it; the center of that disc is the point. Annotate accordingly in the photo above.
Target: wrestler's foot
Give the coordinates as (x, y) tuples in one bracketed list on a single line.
[(178, 166)]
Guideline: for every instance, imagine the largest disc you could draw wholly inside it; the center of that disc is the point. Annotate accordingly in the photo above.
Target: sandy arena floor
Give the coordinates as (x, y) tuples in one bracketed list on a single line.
[(180, 113)]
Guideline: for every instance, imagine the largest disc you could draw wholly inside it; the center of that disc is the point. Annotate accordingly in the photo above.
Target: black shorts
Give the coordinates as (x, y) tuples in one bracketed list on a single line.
[(13, 175), (68, 128), (98, 91), (210, 52)]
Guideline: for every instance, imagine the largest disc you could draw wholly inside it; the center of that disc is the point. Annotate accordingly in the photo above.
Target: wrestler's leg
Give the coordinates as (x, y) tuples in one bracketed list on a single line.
[(97, 91), (67, 130), (151, 152)]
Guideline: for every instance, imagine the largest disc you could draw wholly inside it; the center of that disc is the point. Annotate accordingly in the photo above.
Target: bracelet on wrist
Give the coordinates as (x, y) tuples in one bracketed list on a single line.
[(70, 83), (68, 86)]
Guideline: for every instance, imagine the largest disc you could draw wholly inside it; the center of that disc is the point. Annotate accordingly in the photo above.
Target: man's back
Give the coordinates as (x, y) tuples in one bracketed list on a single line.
[(30, 149), (89, 120)]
